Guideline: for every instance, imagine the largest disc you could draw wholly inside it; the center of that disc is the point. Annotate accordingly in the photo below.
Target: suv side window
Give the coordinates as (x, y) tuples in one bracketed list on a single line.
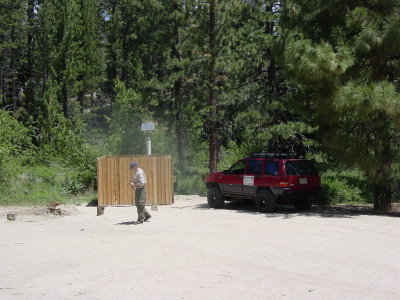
[(238, 168), (271, 168), (254, 167)]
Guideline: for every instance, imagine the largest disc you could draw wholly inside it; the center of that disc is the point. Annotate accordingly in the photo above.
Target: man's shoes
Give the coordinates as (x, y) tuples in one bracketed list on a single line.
[(139, 222), (147, 218)]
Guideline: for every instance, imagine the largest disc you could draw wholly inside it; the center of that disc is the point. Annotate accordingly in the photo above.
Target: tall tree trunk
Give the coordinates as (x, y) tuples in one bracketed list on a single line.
[(272, 82), (31, 23), (13, 73), (178, 97), (383, 176), (3, 99), (64, 98), (81, 92), (179, 119), (212, 135), (29, 93)]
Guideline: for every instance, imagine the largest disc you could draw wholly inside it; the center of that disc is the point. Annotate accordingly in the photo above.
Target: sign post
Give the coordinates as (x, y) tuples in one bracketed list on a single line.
[(147, 128)]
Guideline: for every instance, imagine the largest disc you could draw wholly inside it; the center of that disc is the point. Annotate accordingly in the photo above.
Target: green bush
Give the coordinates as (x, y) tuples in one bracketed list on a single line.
[(190, 175), (345, 187), (190, 185), (15, 147), (42, 185), (61, 167)]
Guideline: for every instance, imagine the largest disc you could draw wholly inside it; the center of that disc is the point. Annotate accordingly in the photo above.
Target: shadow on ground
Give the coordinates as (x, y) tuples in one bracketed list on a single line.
[(287, 212), (127, 223), (92, 203), (131, 223)]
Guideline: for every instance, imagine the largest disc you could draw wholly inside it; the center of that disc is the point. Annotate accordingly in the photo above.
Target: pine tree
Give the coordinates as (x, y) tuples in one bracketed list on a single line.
[(12, 52), (70, 49), (344, 58)]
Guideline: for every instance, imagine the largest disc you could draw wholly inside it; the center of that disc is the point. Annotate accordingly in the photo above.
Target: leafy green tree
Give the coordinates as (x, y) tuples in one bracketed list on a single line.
[(343, 59), (128, 113)]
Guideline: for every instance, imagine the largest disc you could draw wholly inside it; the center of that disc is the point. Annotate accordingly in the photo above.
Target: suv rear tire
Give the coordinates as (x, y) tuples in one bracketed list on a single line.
[(215, 198), (265, 201)]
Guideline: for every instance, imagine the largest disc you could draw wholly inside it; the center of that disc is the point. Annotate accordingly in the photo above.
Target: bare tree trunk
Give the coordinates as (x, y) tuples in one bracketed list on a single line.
[(179, 112), (14, 96), (383, 176), (272, 82), (29, 93), (31, 15), (179, 119), (3, 99), (64, 96), (213, 135)]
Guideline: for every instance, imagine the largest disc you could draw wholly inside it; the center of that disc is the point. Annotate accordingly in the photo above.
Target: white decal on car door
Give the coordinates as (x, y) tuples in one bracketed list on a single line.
[(248, 180)]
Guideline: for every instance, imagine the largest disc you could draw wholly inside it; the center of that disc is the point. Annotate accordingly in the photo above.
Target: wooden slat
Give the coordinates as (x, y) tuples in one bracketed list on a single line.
[(112, 181), (161, 167), (99, 183), (127, 178), (105, 180), (109, 182), (121, 181), (165, 167), (169, 183)]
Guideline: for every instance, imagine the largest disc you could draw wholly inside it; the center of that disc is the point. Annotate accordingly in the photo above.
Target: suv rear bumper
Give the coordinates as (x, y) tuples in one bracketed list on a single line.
[(289, 193)]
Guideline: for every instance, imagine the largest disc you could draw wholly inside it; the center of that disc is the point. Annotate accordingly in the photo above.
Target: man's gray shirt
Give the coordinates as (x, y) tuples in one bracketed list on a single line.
[(139, 177)]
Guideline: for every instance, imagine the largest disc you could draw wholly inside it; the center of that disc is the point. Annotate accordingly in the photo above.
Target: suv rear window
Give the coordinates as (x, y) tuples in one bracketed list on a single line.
[(300, 167), (271, 168)]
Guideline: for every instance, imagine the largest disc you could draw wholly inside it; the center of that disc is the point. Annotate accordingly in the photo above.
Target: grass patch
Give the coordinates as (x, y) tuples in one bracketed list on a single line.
[(43, 185)]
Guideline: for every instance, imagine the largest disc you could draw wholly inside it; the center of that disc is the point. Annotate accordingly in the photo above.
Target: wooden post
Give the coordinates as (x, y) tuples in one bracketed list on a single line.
[(100, 210)]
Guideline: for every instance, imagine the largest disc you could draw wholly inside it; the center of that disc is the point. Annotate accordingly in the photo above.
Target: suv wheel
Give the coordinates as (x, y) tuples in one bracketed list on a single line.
[(215, 198), (303, 204), (265, 201)]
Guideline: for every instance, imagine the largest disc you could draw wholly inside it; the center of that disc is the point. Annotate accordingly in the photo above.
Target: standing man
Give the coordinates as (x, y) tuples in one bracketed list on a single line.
[(139, 185)]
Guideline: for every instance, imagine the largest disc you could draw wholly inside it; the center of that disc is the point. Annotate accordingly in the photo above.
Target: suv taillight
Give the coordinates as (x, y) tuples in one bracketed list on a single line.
[(283, 184)]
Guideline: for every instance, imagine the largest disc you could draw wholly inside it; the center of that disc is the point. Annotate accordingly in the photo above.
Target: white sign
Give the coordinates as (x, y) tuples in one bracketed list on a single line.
[(149, 126), (248, 180), (303, 181)]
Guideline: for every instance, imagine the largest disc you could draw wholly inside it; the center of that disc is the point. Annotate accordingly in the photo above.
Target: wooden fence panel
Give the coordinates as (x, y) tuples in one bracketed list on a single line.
[(114, 175)]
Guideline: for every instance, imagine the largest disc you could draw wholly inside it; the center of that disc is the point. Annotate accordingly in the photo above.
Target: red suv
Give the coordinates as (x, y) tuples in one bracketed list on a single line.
[(268, 179)]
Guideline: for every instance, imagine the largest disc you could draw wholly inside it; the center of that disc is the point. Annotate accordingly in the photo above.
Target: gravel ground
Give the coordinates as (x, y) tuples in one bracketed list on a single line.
[(189, 251)]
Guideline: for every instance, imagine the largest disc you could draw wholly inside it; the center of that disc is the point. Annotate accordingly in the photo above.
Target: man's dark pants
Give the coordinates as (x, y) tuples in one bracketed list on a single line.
[(140, 202)]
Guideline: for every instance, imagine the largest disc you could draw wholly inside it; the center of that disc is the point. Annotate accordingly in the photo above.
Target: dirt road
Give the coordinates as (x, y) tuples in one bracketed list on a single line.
[(188, 251)]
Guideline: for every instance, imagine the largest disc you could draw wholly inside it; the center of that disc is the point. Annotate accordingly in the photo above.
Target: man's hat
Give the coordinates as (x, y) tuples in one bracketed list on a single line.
[(134, 164)]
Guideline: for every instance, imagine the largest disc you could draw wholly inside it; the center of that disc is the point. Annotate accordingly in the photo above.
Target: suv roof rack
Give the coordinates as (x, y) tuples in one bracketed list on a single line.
[(275, 155)]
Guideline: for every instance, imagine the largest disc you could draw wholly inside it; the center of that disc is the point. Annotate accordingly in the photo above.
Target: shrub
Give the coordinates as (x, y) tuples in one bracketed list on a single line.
[(15, 146), (341, 186)]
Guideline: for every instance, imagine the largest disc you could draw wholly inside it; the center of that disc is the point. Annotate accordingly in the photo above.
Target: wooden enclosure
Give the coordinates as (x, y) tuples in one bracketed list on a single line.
[(114, 175)]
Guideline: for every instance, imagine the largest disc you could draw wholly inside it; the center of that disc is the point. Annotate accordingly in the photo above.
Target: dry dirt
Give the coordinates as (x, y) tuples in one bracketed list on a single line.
[(188, 251)]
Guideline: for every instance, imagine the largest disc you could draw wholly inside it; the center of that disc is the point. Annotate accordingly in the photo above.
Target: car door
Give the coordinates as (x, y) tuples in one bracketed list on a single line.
[(233, 180), (271, 173), (252, 177)]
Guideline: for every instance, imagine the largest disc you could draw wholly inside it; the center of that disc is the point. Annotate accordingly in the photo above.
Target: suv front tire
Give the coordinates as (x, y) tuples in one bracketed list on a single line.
[(215, 198)]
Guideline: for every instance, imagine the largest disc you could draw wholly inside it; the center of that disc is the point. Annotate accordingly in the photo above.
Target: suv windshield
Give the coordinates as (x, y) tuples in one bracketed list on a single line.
[(300, 167)]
